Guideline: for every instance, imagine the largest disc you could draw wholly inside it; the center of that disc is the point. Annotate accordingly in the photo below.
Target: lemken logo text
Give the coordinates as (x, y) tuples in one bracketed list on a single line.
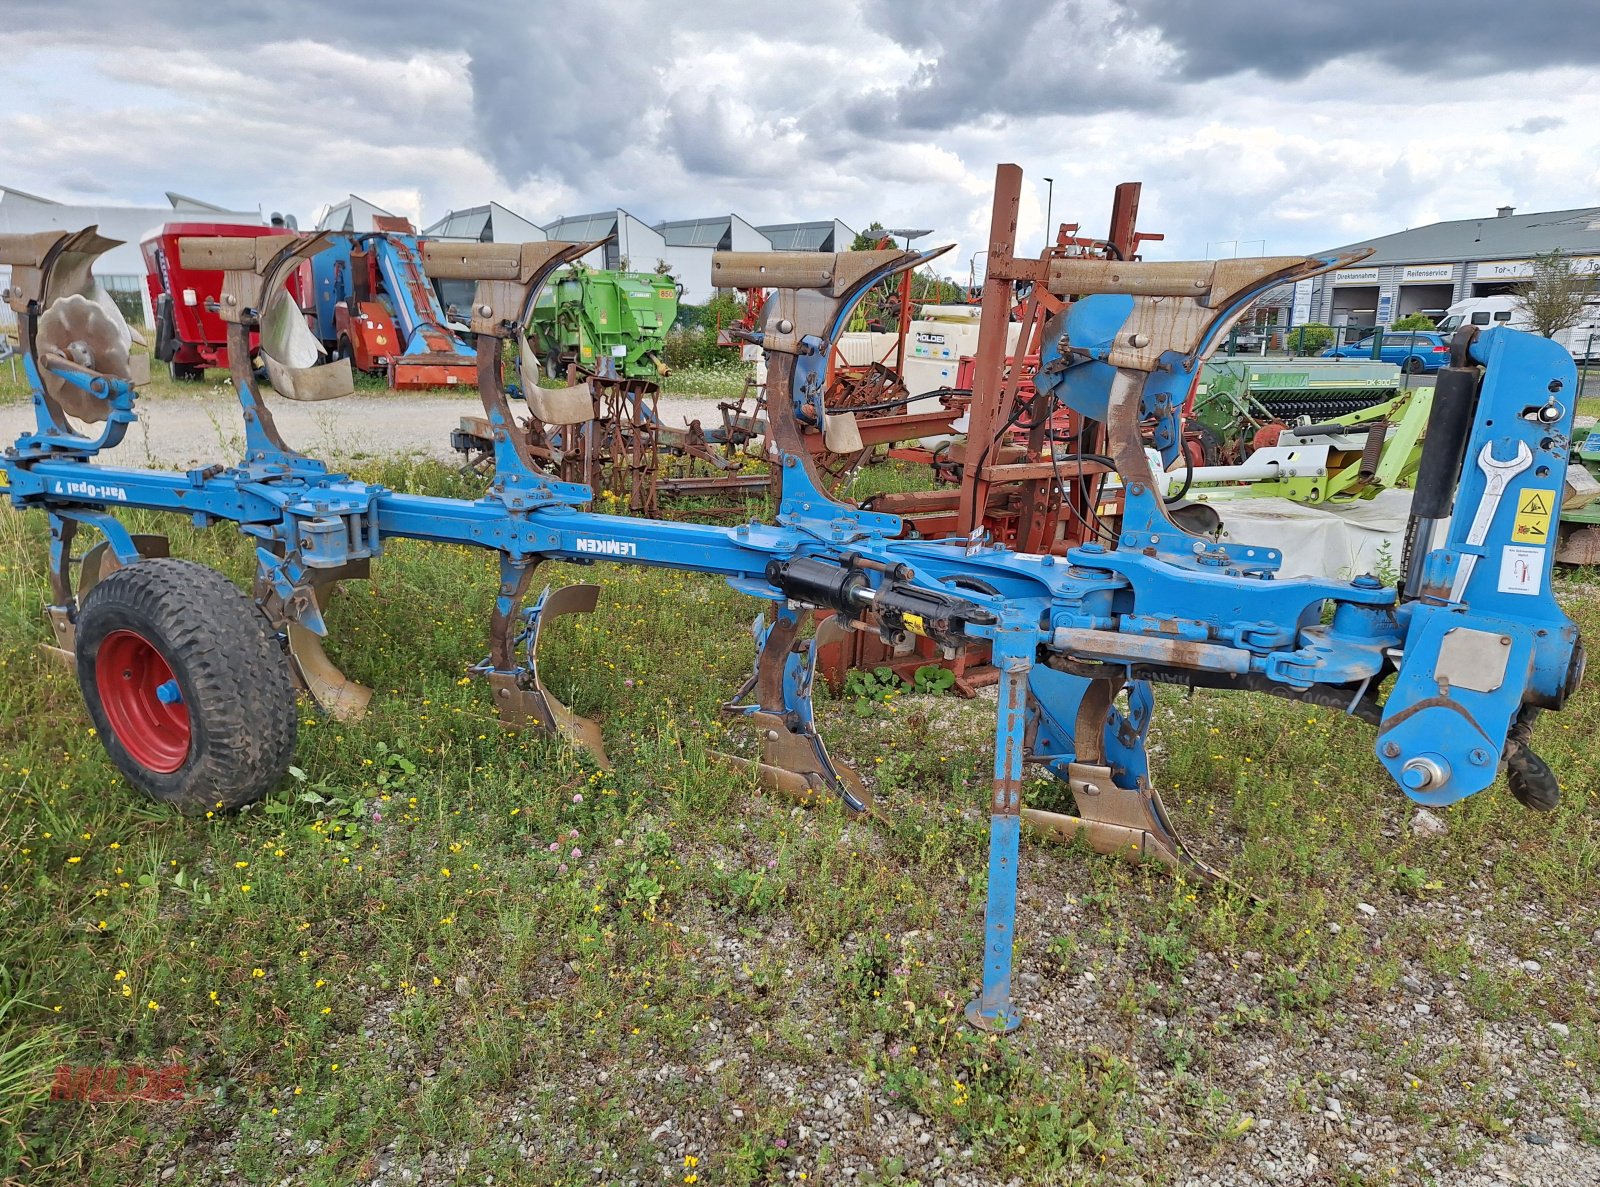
[(608, 547)]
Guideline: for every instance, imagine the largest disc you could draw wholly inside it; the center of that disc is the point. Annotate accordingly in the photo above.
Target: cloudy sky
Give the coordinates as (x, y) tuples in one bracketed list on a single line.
[(1285, 127)]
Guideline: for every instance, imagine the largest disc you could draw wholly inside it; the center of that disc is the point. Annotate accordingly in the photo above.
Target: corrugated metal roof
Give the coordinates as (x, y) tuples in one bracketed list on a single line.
[(462, 224), (581, 228), (801, 236), (698, 232), (1513, 237)]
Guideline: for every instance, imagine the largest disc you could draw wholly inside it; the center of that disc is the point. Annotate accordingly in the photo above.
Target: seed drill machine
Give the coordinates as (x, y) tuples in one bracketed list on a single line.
[(190, 682)]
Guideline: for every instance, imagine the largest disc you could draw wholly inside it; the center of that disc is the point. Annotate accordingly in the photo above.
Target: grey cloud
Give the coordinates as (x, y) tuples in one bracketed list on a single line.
[(1218, 38), (700, 129), (561, 105), (1536, 124), (994, 59)]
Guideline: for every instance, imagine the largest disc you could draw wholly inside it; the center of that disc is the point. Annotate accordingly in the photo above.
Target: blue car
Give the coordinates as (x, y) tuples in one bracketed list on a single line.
[(1416, 352)]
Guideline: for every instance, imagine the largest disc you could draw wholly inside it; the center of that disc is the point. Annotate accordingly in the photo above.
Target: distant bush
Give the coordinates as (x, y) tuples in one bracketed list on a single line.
[(697, 348), (1311, 338), (1414, 321), (692, 341)]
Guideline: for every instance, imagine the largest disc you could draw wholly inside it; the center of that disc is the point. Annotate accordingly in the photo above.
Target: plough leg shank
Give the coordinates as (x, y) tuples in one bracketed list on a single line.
[(794, 759), (520, 696)]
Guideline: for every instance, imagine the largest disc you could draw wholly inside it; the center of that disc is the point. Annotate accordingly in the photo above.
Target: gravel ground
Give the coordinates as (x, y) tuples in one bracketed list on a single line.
[(204, 426)]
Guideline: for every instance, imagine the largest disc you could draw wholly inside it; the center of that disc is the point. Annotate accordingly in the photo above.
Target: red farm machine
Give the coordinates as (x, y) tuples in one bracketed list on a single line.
[(190, 335), (1030, 471), (367, 298)]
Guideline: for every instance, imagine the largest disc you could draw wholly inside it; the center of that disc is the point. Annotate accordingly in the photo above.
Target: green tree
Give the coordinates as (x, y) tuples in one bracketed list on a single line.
[(1554, 299), (870, 238), (1414, 321)]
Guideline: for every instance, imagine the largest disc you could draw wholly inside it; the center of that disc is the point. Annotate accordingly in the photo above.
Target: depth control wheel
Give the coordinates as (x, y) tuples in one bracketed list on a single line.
[(188, 689)]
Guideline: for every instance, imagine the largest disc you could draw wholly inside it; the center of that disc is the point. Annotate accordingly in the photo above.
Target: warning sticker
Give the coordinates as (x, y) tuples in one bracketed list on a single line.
[(1535, 509), (1522, 570), (915, 625)]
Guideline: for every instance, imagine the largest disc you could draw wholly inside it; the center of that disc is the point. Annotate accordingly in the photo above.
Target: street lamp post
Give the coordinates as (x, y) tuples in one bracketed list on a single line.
[(1049, 202)]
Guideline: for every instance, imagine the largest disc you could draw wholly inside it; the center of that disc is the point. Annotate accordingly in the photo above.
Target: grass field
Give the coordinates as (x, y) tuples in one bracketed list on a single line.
[(443, 952)]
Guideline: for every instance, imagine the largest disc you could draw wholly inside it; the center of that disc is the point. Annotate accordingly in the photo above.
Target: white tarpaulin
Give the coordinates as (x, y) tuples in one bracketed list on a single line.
[(1334, 540)]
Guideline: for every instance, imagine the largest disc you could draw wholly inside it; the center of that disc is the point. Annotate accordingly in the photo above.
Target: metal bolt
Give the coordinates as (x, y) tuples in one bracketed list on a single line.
[(1420, 774), (1479, 757), (1138, 341), (1391, 750), (785, 326), (485, 311)]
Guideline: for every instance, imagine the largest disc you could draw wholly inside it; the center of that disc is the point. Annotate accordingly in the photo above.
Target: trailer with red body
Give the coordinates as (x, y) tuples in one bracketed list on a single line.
[(190, 335)]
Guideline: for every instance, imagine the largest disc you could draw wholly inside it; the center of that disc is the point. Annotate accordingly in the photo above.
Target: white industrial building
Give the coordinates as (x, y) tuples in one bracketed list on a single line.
[(1427, 269), (690, 243), (679, 247), (826, 235), (633, 244), (120, 270), (492, 223), (355, 213)]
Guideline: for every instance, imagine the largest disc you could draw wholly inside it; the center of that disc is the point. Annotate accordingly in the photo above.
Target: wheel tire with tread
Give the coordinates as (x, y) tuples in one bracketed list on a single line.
[(1415, 366), (231, 670)]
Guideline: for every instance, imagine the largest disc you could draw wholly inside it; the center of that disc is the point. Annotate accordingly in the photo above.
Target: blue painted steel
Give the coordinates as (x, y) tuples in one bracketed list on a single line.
[(1013, 649), (54, 439), (394, 254), (1082, 379), (1163, 598), (1507, 595)]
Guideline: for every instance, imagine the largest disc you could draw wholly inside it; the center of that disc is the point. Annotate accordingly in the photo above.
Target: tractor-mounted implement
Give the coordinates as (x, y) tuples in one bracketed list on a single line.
[(189, 681)]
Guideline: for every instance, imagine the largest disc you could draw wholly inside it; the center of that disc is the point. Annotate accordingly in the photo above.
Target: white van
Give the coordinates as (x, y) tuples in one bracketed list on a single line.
[(1581, 339)]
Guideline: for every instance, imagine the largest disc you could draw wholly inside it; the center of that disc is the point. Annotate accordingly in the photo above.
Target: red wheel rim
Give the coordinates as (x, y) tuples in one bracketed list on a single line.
[(142, 702)]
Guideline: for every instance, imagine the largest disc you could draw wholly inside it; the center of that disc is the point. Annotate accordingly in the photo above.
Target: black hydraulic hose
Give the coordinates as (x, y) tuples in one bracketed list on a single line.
[(1101, 458), (1445, 448), (1188, 475), (1344, 698), (898, 402)]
